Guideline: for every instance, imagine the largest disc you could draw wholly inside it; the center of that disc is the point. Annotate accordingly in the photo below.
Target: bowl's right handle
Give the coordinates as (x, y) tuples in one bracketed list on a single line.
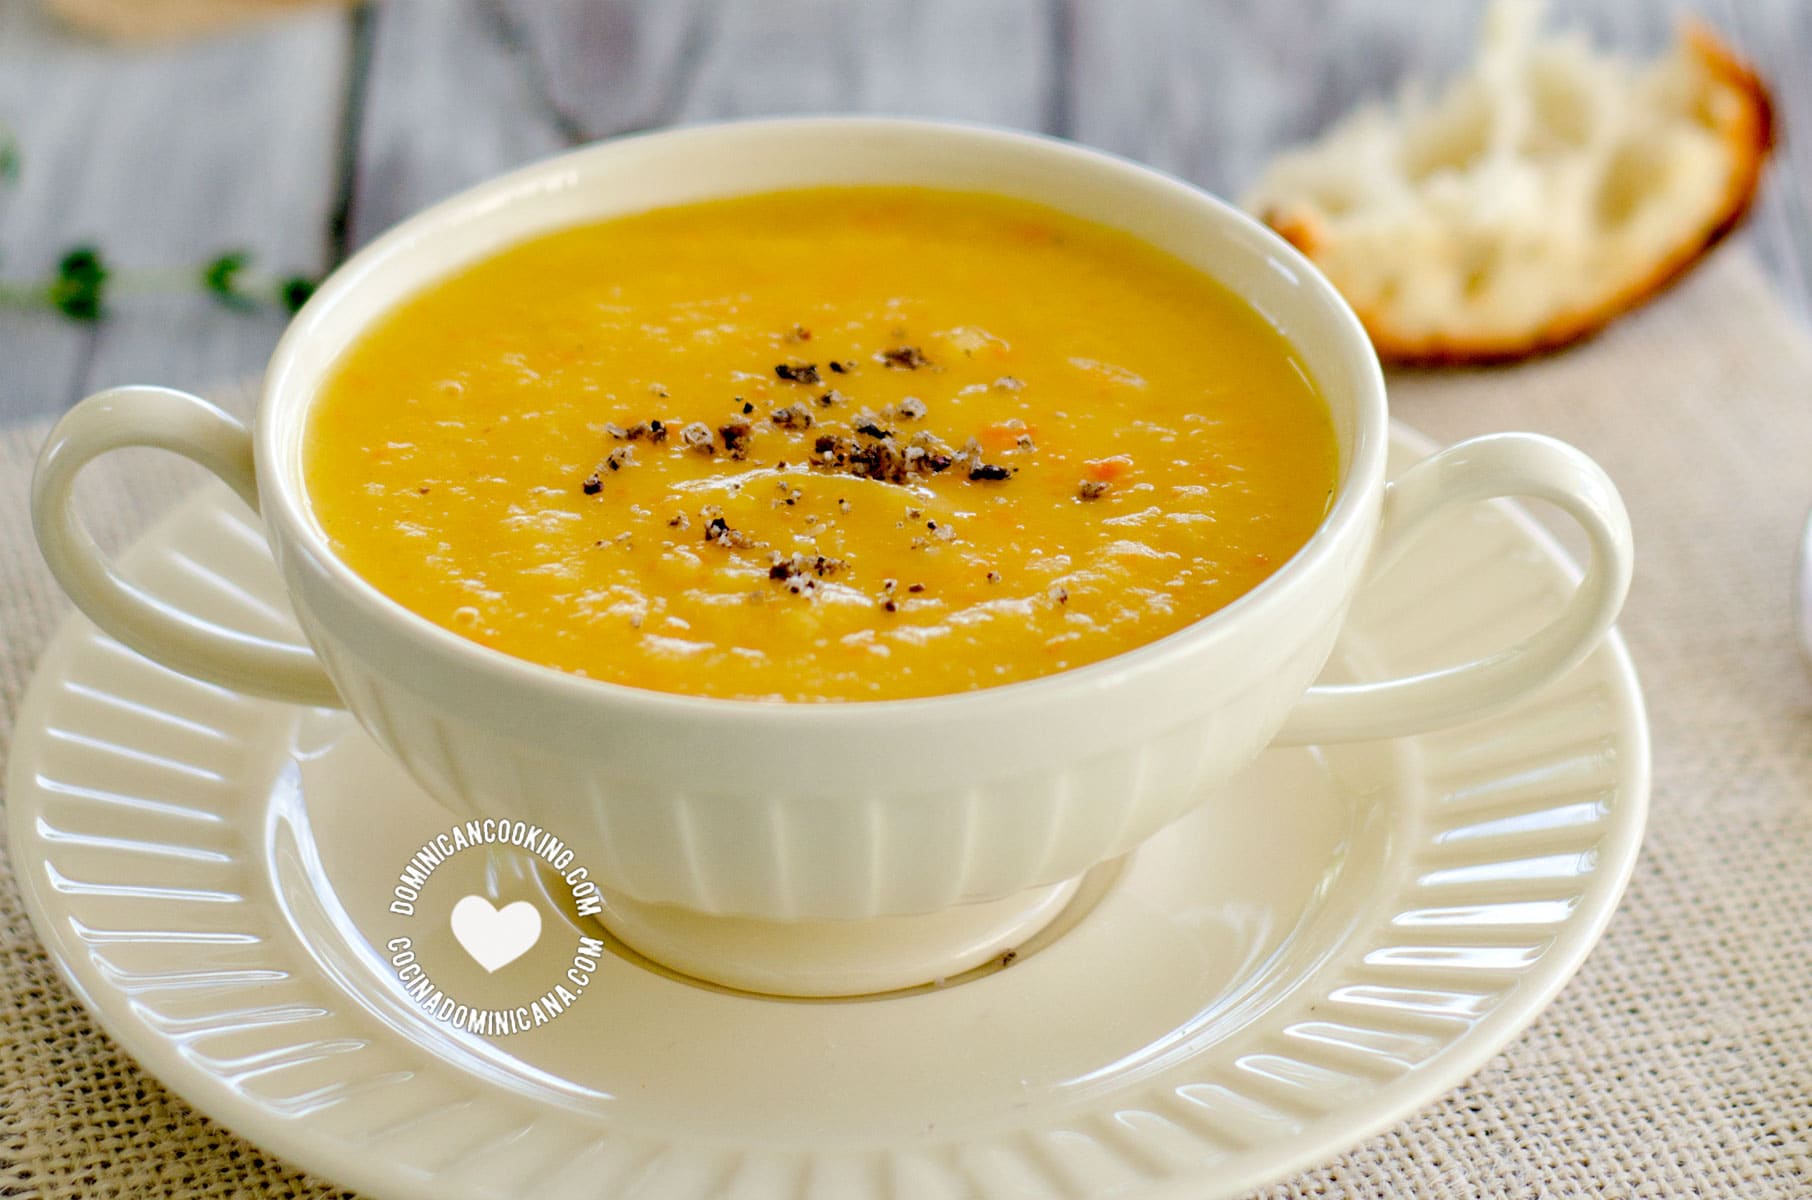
[(1506, 464), (195, 429)]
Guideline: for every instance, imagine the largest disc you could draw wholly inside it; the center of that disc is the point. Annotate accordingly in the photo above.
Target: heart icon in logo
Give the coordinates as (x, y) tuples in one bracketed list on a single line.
[(495, 937)]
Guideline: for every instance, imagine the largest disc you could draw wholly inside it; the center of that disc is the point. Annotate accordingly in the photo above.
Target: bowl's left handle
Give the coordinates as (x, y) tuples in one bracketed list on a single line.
[(195, 429)]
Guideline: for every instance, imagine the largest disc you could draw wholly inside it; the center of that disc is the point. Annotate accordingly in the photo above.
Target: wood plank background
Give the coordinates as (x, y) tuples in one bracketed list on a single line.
[(301, 139)]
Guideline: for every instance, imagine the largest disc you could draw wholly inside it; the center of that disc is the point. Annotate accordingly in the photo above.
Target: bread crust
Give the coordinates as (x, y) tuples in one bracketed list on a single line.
[(1749, 134)]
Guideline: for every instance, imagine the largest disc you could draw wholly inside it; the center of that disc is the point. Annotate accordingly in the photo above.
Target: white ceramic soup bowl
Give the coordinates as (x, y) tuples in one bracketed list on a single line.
[(950, 823)]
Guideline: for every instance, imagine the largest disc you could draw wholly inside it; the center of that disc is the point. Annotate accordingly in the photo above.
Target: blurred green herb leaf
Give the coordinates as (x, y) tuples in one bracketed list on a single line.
[(221, 277), (295, 292), (80, 285), (9, 155)]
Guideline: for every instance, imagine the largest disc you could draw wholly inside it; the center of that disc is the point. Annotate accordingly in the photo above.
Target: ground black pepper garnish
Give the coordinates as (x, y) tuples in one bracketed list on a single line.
[(904, 358), (921, 459), (917, 587), (747, 408), (798, 372), (719, 533), (654, 431), (736, 438), (988, 472), (793, 416), (1093, 489), (842, 368), (831, 397), (592, 485), (697, 437), (880, 458), (802, 564)]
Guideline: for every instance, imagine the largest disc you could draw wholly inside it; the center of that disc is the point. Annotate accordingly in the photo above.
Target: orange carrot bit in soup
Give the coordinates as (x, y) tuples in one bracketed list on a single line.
[(1012, 434)]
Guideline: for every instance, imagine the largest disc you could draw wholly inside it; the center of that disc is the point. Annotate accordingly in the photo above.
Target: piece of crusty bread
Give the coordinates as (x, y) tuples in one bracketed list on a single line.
[(151, 20), (1532, 201)]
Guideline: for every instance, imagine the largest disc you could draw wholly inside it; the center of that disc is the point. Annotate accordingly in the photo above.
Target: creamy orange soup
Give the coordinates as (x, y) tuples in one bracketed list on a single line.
[(834, 444)]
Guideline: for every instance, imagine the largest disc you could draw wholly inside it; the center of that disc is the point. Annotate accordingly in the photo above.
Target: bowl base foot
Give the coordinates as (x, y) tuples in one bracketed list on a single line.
[(834, 958)]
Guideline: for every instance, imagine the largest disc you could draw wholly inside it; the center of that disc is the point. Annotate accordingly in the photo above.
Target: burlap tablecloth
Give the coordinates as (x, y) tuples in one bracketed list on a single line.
[(1678, 1063)]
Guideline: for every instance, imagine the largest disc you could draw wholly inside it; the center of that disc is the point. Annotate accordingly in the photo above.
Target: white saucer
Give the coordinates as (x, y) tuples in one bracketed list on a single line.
[(1330, 944)]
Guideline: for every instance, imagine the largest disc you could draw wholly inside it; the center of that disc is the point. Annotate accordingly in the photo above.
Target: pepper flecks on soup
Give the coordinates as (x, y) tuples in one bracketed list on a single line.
[(830, 444)]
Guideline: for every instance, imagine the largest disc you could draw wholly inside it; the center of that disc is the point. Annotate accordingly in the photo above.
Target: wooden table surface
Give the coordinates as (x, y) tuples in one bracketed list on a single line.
[(301, 138)]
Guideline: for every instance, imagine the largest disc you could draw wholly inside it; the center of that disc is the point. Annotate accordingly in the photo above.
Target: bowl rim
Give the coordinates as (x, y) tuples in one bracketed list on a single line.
[(292, 533)]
